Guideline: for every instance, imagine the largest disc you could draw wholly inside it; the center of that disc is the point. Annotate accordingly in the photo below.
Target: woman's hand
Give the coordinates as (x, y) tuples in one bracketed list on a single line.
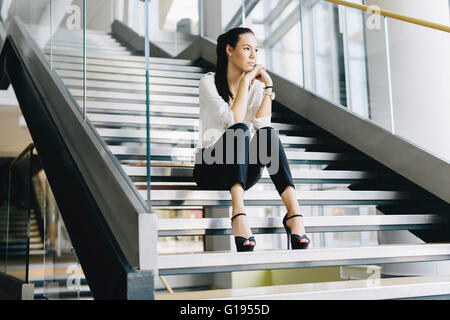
[(250, 76), (258, 73), (264, 77)]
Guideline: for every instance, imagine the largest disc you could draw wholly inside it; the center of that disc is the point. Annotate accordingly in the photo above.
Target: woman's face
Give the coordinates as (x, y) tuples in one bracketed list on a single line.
[(244, 56)]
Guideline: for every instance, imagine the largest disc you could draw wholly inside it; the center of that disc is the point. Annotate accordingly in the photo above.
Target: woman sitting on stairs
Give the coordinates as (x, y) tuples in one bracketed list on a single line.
[(240, 92)]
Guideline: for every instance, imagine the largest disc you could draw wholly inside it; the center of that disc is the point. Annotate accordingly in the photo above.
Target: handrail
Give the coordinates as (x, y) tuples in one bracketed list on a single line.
[(21, 155), (394, 15), (164, 281)]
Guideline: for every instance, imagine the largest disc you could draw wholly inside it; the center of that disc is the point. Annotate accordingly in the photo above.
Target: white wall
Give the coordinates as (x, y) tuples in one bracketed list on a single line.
[(99, 14), (420, 71), (217, 14), (14, 134), (212, 21)]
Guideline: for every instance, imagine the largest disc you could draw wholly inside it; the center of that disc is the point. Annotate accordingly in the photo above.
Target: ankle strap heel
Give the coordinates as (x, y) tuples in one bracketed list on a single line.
[(240, 240), (295, 239)]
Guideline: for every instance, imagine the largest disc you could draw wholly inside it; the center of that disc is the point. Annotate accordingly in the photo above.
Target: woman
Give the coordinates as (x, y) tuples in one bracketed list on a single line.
[(235, 97)]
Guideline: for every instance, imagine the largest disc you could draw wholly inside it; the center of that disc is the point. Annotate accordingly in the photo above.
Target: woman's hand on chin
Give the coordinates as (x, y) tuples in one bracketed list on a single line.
[(253, 74), (265, 78)]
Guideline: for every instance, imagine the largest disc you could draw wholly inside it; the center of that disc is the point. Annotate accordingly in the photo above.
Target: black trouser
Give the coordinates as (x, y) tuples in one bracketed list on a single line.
[(215, 171)]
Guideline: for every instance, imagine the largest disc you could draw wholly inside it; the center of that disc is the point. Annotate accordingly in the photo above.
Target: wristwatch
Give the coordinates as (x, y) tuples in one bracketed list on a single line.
[(269, 93)]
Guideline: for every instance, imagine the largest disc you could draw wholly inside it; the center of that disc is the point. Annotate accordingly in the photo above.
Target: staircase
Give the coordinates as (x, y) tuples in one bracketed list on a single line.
[(52, 274), (16, 241), (326, 171)]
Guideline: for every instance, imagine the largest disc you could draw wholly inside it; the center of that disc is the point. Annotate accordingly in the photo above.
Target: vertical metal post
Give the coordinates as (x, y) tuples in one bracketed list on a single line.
[(147, 100), (44, 236), (200, 18), (113, 10), (243, 13), (343, 29), (84, 60), (366, 66), (268, 50), (175, 43), (30, 181), (51, 36), (388, 63), (302, 43), (7, 218)]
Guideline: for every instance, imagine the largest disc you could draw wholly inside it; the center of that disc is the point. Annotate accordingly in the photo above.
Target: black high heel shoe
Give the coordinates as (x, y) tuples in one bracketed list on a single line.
[(240, 240), (295, 238)]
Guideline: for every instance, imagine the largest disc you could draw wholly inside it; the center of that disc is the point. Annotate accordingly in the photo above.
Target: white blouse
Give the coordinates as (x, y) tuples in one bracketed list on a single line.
[(216, 114)]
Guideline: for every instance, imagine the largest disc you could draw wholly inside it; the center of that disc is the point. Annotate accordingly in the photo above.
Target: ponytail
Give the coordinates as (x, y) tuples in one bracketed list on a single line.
[(231, 37)]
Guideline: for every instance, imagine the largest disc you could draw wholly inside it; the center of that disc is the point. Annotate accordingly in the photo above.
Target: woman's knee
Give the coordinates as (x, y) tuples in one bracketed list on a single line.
[(267, 129), (239, 125), (267, 134)]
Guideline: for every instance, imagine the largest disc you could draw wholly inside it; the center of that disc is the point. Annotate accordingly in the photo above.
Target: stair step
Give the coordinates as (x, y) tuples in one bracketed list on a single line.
[(171, 135), (90, 45), (18, 221), (77, 35), (162, 109), (126, 96), (227, 261), (91, 42), (78, 32), (63, 292), (299, 175), (20, 245), (187, 154), (139, 108), (17, 230), (113, 51), (74, 40), (17, 226), (136, 58), (270, 225), (55, 277), (190, 137), (91, 75), (128, 71), (272, 198), (125, 64), (158, 109), (371, 289), (132, 87), (100, 119), (18, 238), (125, 120), (103, 41)]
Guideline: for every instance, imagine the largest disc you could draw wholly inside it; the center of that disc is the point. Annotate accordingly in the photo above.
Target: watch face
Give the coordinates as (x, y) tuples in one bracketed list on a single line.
[(271, 95)]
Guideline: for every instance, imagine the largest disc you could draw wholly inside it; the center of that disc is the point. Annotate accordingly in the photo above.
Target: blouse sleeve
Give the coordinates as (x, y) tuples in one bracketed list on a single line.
[(210, 98), (258, 97)]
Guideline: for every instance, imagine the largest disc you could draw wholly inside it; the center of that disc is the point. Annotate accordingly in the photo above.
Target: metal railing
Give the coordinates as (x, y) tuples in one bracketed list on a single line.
[(393, 15), (30, 147), (15, 220)]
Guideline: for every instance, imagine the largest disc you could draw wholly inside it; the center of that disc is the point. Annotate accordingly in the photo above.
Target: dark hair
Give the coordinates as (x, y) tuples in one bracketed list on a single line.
[(230, 37)]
